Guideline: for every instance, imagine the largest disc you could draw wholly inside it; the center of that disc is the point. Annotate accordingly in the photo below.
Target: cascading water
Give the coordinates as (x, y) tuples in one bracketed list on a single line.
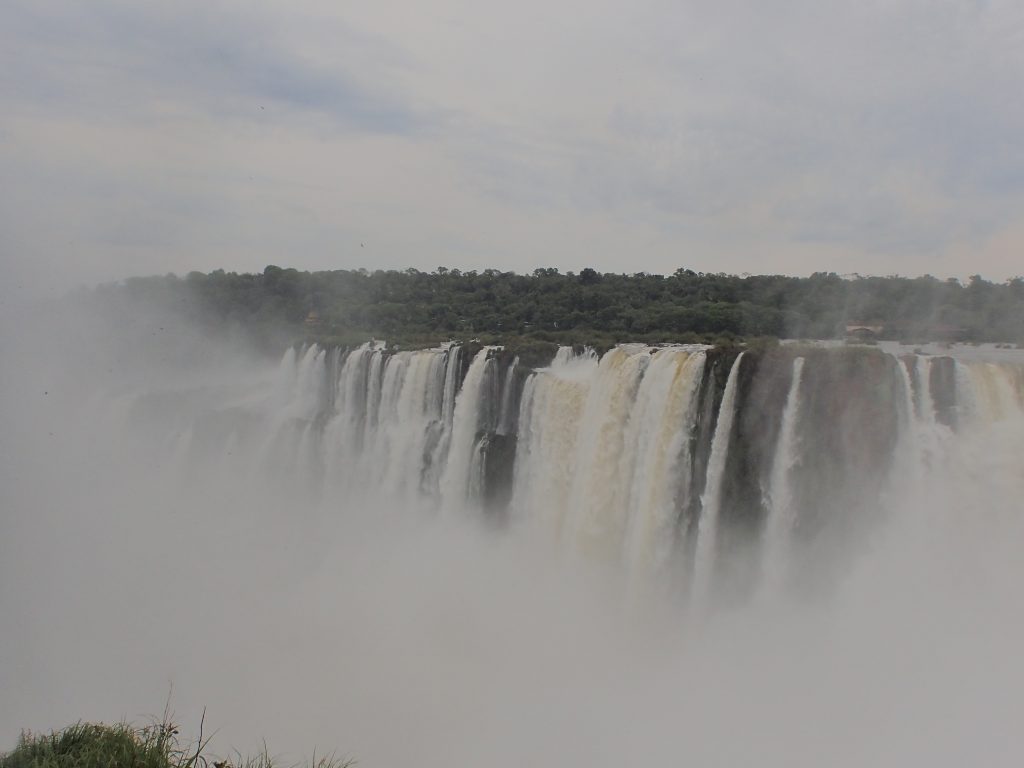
[(597, 502), (655, 465), (781, 514), (925, 403), (614, 456), (459, 483), (707, 528), (550, 416), (506, 418)]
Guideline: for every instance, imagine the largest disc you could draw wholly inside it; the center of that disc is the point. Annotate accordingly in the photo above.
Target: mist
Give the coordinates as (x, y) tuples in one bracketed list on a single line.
[(133, 567)]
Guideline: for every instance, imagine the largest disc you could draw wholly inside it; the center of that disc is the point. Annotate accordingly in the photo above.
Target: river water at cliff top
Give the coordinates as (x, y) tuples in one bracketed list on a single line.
[(792, 556)]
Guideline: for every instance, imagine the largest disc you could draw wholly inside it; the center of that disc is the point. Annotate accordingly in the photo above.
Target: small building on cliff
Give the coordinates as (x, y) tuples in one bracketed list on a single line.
[(869, 331)]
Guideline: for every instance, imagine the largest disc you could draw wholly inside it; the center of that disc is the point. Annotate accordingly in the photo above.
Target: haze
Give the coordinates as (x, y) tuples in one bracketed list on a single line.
[(400, 638)]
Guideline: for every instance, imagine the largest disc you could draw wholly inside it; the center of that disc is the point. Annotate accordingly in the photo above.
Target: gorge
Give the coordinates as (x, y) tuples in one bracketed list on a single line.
[(788, 554)]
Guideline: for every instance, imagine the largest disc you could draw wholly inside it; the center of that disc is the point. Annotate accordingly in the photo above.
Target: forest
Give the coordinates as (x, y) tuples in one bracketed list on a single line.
[(411, 307)]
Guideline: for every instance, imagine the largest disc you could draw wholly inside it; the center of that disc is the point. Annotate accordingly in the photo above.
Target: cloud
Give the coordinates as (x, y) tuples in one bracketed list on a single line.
[(739, 136), (130, 58)]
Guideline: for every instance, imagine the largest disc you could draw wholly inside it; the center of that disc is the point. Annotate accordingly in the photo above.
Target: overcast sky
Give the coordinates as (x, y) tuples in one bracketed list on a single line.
[(876, 136)]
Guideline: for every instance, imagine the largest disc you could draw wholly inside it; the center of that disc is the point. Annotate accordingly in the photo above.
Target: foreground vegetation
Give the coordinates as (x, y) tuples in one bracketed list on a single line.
[(421, 308), (89, 745)]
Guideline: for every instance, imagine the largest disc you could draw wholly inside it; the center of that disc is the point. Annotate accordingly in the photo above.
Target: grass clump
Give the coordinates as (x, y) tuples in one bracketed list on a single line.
[(91, 745), (97, 745)]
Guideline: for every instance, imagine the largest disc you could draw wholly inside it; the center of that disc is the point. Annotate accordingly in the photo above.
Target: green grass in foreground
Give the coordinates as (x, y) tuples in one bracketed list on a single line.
[(91, 745)]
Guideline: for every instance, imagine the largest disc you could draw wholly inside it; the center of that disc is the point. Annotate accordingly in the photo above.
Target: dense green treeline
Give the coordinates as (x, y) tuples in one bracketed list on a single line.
[(549, 305)]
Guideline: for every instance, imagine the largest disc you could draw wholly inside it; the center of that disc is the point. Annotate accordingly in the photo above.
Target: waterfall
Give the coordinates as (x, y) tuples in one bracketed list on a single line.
[(457, 481), (781, 514), (387, 421), (550, 417), (909, 462), (506, 418), (926, 406), (638, 456), (417, 409), (707, 529), (442, 430), (655, 464), (451, 382), (597, 501), (345, 432), (997, 391)]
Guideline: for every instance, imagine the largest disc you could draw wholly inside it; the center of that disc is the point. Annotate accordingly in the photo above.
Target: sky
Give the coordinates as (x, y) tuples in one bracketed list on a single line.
[(871, 137)]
